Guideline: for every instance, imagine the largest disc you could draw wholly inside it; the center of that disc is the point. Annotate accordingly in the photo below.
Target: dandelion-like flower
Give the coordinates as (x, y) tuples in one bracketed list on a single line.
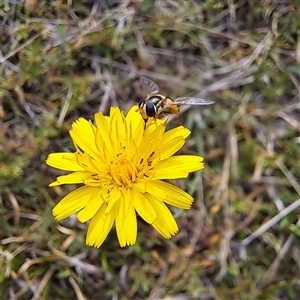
[(121, 167)]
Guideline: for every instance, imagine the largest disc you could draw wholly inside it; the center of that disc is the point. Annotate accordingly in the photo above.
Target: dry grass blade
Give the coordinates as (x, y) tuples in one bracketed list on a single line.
[(270, 223), (272, 271)]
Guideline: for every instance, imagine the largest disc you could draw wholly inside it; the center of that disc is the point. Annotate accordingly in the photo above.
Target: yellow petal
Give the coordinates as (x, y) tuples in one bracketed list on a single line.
[(117, 125), (91, 208), (171, 147), (156, 133), (165, 223), (153, 124), (142, 206), (72, 178), (140, 184), (126, 223), (83, 134), (134, 120), (100, 226), (170, 194), (74, 202), (178, 166), (64, 161), (176, 132), (111, 198), (104, 133), (151, 141)]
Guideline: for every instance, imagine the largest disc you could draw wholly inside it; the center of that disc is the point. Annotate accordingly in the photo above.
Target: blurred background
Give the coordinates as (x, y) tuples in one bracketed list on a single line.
[(61, 60)]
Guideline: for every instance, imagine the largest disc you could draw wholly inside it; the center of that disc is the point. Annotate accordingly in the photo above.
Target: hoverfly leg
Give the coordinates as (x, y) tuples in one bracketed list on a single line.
[(145, 124), (179, 120), (166, 119)]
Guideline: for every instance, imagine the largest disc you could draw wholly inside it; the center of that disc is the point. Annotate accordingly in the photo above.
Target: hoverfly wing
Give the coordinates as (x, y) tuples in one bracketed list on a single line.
[(149, 86), (192, 101)]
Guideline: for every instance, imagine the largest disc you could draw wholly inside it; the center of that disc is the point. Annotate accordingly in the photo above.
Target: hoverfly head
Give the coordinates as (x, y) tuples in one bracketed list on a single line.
[(147, 109)]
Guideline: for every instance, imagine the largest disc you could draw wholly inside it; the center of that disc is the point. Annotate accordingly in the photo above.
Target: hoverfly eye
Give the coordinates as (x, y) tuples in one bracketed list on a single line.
[(150, 109)]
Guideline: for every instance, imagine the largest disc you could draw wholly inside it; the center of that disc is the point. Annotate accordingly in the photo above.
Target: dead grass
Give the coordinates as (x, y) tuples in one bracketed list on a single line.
[(68, 59)]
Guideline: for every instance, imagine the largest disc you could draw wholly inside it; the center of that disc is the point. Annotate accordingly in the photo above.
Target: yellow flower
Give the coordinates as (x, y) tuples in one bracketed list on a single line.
[(121, 166)]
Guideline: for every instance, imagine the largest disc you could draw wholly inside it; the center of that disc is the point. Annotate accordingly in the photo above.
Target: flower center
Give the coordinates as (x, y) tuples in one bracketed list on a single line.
[(123, 169), (121, 160), (123, 172)]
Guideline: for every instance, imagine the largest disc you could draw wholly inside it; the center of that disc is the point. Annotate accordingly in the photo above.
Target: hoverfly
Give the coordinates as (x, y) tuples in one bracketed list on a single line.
[(158, 105)]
